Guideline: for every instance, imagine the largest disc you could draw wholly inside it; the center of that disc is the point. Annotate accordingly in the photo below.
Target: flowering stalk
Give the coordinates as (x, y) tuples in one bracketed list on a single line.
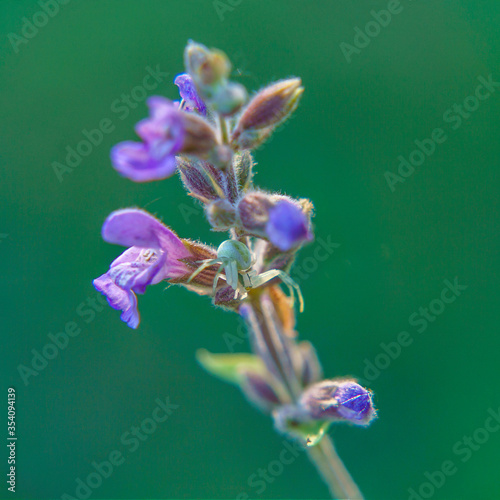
[(207, 137)]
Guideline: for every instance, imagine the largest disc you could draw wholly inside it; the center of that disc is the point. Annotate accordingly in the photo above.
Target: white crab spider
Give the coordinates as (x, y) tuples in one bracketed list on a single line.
[(236, 261)]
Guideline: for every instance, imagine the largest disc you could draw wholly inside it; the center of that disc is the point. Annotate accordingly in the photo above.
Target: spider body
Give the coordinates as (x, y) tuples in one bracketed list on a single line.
[(236, 261)]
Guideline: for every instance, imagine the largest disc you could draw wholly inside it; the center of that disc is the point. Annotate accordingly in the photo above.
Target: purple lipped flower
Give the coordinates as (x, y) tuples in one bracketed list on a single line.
[(189, 94), (154, 255), (163, 136), (287, 226), (338, 400)]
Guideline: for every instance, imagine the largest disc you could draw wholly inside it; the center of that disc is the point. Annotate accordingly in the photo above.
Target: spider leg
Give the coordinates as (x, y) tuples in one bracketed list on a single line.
[(229, 273), (247, 279), (216, 279), (205, 264), (262, 278), (233, 279), (293, 285)]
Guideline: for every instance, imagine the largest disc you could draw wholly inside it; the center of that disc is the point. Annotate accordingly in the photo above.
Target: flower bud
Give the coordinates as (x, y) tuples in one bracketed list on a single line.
[(229, 98), (270, 107), (206, 66), (338, 400), (224, 297), (196, 179), (247, 372), (253, 211), (200, 137), (243, 164), (310, 366), (221, 215), (258, 390), (221, 156), (277, 218)]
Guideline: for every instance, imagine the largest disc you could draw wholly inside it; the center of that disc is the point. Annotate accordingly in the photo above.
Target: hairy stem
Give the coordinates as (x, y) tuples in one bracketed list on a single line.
[(268, 342), (332, 470)]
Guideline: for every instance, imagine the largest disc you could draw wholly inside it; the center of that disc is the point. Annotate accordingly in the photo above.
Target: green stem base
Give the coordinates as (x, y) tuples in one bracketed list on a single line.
[(333, 471)]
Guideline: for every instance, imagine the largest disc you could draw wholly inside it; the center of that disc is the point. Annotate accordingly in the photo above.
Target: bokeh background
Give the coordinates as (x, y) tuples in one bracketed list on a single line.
[(396, 247)]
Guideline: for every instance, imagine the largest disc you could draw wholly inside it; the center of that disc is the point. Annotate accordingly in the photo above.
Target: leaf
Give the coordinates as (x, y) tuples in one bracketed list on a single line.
[(229, 367)]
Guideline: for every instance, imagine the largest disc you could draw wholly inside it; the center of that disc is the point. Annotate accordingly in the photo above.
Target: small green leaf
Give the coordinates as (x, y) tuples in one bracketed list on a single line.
[(229, 367)]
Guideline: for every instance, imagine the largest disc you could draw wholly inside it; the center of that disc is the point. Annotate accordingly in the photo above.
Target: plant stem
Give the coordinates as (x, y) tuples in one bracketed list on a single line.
[(268, 342), (333, 471)]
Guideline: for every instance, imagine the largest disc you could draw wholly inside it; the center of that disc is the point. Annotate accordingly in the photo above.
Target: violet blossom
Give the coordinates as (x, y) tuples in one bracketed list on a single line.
[(154, 255), (163, 136)]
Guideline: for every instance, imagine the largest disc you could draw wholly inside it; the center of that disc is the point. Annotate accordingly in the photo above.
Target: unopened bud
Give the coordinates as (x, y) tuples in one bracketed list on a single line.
[(221, 156), (200, 138), (310, 366), (228, 99), (270, 107), (253, 211), (277, 218), (207, 67), (196, 179), (258, 390), (338, 400), (224, 297), (243, 164), (220, 214)]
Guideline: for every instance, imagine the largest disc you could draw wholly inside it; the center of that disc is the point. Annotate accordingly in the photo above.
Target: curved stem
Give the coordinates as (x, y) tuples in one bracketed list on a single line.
[(275, 350), (333, 471)]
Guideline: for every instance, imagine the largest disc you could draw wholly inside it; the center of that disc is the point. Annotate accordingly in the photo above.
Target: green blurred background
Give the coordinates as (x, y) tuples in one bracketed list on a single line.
[(396, 248)]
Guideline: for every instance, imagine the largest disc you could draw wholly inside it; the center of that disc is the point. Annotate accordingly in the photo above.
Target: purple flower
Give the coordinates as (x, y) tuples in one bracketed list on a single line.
[(189, 94), (287, 226), (154, 256), (163, 136), (338, 400)]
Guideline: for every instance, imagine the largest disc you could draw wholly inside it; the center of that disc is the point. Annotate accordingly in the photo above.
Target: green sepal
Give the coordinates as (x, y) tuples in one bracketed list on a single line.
[(311, 432)]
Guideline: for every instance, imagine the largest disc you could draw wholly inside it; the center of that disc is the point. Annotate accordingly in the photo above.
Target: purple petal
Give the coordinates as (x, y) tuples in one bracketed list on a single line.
[(139, 163), (188, 92), (154, 255), (137, 268), (287, 225), (355, 401), (163, 134), (160, 107), (134, 227), (165, 124), (118, 298)]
